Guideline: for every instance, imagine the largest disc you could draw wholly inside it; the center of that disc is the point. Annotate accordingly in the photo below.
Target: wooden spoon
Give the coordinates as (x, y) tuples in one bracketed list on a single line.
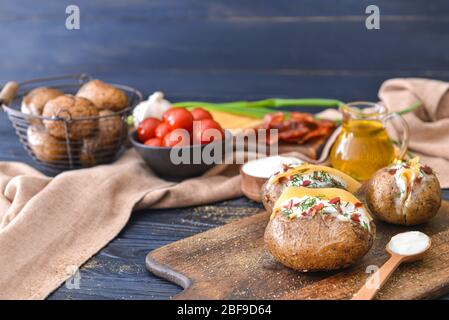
[(368, 291)]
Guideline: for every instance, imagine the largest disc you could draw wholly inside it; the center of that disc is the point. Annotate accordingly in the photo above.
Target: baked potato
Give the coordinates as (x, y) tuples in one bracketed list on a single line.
[(405, 193), (33, 103), (318, 229), (46, 147), (305, 175), (103, 95), (94, 152), (104, 145), (70, 107)]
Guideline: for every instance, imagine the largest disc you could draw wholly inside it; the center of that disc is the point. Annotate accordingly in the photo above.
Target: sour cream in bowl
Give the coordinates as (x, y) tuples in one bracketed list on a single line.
[(255, 173)]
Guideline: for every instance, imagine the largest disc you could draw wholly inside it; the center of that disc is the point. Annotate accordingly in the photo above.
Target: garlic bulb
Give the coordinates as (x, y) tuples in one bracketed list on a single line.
[(155, 107)]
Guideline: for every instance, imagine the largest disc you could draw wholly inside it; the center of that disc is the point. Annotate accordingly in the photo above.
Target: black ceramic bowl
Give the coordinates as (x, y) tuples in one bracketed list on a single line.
[(159, 159)]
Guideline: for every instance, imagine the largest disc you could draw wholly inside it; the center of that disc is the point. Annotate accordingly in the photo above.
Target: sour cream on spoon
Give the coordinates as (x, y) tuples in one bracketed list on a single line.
[(403, 247), (409, 243)]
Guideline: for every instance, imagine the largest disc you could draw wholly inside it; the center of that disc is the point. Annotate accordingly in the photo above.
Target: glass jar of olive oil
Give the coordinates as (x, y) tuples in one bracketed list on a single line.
[(364, 145)]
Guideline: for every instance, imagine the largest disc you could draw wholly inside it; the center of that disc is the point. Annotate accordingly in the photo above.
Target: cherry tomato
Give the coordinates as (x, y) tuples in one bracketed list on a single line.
[(177, 137), (207, 130), (200, 114), (154, 142), (178, 118), (161, 130), (146, 129)]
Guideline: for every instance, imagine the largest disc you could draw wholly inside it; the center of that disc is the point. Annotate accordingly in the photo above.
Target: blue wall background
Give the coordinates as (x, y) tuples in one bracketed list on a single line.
[(229, 49)]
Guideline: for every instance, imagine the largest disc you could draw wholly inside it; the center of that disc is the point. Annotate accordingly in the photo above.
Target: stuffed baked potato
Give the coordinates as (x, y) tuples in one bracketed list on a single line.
[(305, 175), (405, 193), (318, 229)]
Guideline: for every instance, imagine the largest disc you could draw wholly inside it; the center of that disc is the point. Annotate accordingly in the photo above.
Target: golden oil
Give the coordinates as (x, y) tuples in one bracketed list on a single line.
[(362, 148)]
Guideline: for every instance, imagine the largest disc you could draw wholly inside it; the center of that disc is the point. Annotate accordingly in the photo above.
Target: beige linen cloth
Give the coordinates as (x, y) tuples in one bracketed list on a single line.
[(49, 226), (429, 125)]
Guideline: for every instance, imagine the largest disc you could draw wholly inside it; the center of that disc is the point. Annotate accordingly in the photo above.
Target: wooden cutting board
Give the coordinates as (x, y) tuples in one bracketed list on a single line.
[(230, 262)]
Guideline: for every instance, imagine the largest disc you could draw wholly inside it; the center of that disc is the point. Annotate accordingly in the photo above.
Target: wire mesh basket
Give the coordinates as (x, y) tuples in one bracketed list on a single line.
[(66, 141)]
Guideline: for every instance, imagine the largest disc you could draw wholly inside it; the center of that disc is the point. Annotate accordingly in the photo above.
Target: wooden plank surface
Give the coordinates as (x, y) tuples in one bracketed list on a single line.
[(212, 50)]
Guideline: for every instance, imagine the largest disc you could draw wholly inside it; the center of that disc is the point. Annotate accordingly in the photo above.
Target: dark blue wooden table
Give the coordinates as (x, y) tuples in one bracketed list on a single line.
[(213, 50)]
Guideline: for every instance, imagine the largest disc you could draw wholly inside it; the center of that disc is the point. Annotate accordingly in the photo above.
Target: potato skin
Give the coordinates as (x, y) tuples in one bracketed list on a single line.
[(103, 146), (111, 128), (103, 95), (70, 107), (33, 103), (270, 192), (44, 146), (421, 204), (317, 243)]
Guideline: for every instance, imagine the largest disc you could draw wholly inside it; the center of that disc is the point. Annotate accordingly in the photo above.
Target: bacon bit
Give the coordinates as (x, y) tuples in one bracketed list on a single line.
[(339, 210), (392, 171), (355, 217), (316, 208), (285, 167), (406, 165), (358, 204), (276, 173), (305, 183), (283, 180), (418, 179), (289, 205), (335, 200), (291, 177), (427, 169)]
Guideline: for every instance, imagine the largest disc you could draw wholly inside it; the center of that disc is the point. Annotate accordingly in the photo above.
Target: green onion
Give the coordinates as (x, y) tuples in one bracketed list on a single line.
[(410, 108), (258, 109)]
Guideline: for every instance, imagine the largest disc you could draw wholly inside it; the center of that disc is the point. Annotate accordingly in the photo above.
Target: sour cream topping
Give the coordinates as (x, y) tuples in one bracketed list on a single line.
[(409, 243), (406, 175), (316, 179), (307, 206), (266, 167)]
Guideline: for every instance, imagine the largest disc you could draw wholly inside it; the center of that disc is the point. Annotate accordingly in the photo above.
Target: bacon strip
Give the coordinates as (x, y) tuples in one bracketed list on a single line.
[(300, 128)]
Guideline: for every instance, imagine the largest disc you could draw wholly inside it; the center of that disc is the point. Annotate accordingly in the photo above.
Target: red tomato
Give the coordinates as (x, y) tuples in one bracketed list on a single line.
[(154, 142), (161, 130), (200, 114), (206, 131), (146, 129), (178, 118), (177, 137)]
